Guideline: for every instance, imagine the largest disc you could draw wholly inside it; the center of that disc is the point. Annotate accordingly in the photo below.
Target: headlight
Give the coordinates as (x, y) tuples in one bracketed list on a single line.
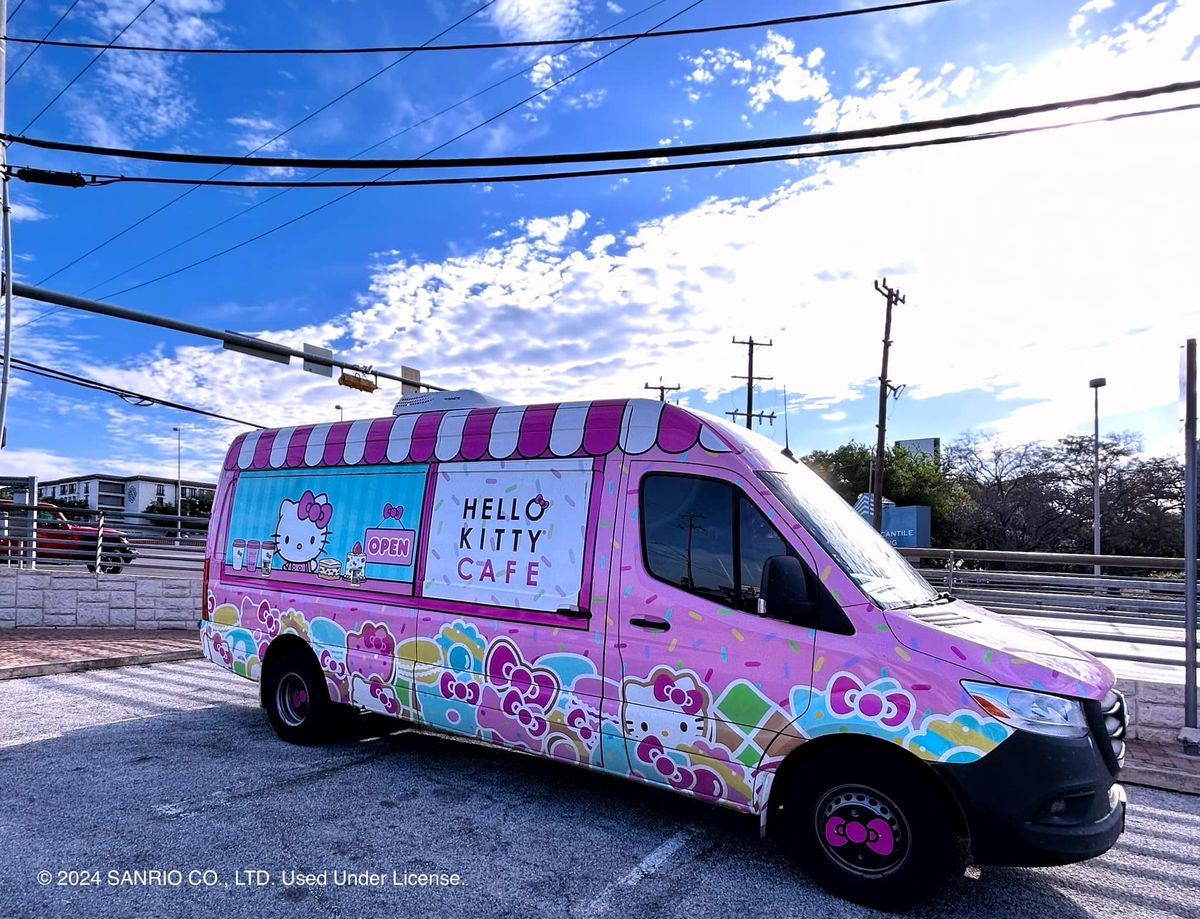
[(1030, 711)]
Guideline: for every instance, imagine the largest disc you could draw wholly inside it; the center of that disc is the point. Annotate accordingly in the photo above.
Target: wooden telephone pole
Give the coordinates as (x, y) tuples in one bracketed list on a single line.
[(749, 414), (893, 297)]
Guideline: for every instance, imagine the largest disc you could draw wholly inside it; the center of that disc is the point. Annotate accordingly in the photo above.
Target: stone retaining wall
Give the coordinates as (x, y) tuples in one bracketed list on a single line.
[(1155, 710), (53, 599)]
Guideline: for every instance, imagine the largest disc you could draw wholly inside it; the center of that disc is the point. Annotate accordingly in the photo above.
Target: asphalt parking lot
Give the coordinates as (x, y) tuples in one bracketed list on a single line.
[(173, 768)]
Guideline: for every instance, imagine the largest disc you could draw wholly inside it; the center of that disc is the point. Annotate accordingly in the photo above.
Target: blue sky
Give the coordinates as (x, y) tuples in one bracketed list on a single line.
[(1030, 264)]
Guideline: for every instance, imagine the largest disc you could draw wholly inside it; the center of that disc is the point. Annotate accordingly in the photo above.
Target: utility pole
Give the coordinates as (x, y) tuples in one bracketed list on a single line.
[(893, 297), (662, 390), (691, 526), (6, 240), (1190, 735), (750, 379)]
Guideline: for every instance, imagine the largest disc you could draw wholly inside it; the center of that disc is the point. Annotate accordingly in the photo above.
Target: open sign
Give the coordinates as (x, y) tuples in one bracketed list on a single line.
[(385, 546)]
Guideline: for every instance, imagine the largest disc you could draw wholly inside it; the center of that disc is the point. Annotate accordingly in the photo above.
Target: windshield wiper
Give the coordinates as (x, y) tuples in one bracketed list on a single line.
[(941, 598)]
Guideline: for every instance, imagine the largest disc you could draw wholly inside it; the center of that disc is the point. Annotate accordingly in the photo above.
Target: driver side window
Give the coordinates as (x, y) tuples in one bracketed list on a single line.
[(706, 537)]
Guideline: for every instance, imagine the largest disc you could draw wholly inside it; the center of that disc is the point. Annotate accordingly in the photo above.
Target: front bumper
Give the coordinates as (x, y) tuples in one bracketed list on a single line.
[(1037, 801)]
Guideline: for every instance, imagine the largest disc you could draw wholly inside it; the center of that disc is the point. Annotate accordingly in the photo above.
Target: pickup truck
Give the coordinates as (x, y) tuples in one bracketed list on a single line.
[(59, 540)]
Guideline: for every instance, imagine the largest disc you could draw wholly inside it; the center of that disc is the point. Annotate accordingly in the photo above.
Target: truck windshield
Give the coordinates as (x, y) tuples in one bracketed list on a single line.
[(863, 554)]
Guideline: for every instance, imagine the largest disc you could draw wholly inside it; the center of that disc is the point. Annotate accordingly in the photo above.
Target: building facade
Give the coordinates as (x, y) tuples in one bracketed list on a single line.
[(121, 494)]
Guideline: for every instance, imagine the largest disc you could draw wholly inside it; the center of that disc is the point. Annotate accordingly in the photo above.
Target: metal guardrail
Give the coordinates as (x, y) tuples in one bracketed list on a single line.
[(44, 537), (1133, 611)]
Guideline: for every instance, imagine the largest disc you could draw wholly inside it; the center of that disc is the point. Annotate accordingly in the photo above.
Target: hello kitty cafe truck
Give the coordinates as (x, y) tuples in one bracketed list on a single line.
[(648, 591)]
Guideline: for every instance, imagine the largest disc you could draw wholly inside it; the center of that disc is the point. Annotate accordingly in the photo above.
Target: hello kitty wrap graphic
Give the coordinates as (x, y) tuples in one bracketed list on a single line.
[(302, 531), (498, 599), (847, 698)]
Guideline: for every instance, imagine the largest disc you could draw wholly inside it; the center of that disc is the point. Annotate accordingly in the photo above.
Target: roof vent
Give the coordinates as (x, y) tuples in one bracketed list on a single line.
[(443, 401)]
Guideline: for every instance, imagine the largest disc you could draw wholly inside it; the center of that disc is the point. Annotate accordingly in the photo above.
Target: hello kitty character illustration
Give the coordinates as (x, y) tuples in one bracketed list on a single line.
[(668, 709), (664, 717), (302, 531)]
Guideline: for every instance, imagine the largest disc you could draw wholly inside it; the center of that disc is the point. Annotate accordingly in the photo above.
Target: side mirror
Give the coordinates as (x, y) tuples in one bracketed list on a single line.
[(784, 591)]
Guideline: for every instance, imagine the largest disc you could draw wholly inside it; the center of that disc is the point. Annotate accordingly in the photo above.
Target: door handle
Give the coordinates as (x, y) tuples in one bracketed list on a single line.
[(654, 623)]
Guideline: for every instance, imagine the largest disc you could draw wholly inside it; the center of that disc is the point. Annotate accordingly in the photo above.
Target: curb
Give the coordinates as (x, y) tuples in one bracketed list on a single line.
[(1187, 783), (97, 663)]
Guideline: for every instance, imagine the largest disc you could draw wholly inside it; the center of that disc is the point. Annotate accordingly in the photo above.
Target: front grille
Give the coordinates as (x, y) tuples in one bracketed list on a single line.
[(1108, 719)]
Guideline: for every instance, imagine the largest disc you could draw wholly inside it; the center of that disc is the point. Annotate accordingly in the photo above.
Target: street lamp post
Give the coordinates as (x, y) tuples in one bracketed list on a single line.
[(178, 484), (1096, 384), (341, 413)]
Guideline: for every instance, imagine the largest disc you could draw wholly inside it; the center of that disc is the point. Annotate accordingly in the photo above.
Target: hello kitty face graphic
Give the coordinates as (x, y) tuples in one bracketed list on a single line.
[(302, 531), (669, 708)]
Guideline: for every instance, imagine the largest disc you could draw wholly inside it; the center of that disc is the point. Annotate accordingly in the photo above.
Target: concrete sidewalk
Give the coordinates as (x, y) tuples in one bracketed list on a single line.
[(37, 652)]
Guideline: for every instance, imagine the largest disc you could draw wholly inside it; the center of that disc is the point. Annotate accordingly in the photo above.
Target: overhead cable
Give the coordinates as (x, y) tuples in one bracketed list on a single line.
[(34, 49), (22, 366), (353, 89), (598, 156), (483, 46), (212, 256), (86, 67), (79, 180), (412, 126)]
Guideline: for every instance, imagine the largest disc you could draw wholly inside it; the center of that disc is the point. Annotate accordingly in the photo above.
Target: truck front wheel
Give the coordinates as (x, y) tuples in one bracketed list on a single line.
[(870, 830)]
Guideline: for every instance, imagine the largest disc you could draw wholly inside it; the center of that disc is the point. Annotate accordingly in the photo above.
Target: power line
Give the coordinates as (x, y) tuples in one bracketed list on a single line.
[(486, 46), (356, 190), (413, 126), (158, 210), (30, 174), (62, 376), (86, 67), (16, 10), (665, 167), (49, 32), (597, 156)]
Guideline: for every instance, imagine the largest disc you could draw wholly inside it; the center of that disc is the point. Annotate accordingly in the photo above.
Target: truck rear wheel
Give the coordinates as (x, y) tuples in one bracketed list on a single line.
[(296, 699), (870, 830)]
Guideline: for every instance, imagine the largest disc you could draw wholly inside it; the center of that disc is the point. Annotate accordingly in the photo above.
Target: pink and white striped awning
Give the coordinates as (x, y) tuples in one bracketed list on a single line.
[(510, 432)]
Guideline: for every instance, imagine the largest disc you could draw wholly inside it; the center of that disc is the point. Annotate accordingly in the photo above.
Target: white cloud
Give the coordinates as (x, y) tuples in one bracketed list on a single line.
[(529, 20), (24, 211), (143, 95)]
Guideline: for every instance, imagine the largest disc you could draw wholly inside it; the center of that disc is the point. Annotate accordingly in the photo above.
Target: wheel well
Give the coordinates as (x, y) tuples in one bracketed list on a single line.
[(865, 746), (276, 650)]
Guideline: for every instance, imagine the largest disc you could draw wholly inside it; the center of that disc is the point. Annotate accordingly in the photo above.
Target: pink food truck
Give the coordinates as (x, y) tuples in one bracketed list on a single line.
[(648, 591)]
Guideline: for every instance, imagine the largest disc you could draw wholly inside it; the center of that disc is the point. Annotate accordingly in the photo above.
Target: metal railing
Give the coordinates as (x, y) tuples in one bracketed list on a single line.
[(44, 537), (1132, 611)]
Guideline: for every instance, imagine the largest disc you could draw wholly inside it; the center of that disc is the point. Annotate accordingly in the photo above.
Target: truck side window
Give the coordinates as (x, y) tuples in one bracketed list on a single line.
[(687, 532), (757, 542)]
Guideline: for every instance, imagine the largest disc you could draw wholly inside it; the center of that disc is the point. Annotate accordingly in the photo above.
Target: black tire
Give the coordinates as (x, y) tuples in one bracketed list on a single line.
[(297, 699), (111, 564), (871, 829)]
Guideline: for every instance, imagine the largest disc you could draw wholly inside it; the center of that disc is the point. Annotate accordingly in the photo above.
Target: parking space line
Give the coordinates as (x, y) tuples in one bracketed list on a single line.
[(642, 870)]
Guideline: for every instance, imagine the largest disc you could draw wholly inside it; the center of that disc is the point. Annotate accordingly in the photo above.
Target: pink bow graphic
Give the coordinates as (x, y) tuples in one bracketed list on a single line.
[(394, 511), (847, 696), (689, 700), (311, 509)]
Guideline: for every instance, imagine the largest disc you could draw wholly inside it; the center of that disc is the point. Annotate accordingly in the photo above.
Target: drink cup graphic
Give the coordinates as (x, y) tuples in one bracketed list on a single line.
[(252, 553), (267, 555), (239, 553)]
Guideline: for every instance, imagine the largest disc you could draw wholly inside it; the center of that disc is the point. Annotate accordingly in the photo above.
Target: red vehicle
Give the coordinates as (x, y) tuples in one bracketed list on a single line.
[(57, 539)]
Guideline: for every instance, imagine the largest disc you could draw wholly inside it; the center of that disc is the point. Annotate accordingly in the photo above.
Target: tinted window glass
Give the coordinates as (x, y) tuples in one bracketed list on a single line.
[(687, 527), (759, 541)]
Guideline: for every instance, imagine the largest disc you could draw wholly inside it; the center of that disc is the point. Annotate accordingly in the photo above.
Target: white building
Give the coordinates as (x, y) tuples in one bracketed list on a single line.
[(121, 494)]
